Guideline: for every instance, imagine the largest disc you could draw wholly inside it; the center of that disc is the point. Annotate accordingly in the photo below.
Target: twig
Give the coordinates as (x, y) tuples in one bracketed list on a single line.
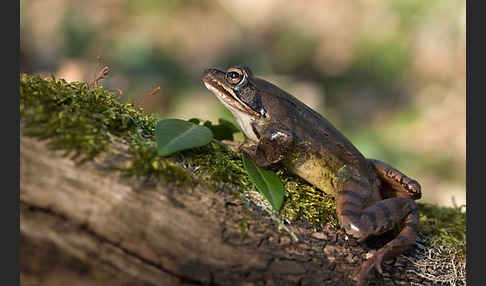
[(100, 75), (154, 91)]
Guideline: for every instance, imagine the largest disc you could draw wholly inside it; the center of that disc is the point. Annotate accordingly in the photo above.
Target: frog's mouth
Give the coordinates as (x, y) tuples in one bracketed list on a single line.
[(214, 80)]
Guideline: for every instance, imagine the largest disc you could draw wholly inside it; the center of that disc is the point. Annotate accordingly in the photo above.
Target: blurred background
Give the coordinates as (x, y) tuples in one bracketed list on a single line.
[(389, 74)]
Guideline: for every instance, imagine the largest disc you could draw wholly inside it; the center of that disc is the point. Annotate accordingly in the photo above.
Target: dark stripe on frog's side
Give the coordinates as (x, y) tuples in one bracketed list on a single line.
[(386, 212), (351, 206), (372, 218), (386, 219), (351, 214), (396, 203), (353, 194)]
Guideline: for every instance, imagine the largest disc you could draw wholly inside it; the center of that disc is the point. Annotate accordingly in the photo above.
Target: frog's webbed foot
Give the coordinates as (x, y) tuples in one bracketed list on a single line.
[(402, 242), (248, 148), (376, 219), (254, 153)]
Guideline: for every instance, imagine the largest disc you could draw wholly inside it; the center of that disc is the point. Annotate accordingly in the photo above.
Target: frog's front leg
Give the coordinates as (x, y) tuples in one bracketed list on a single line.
[(361, 220), (272, 147)]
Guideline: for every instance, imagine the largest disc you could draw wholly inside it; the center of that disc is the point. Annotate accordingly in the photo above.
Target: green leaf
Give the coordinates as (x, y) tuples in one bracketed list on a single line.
[(223, 131), (173, 135), (267, 182)]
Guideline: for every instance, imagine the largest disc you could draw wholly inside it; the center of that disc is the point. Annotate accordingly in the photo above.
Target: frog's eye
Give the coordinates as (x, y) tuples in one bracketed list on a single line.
[(234, 76)]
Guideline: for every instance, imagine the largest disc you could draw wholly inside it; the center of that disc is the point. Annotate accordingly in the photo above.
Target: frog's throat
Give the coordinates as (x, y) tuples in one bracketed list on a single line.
[(228, 97)]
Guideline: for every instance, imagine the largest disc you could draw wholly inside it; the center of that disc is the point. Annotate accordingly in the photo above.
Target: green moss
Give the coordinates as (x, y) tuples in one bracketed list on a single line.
[(85, 121), (445, 227), (145, 162), (306, 202), (75, 117), (216, 162)]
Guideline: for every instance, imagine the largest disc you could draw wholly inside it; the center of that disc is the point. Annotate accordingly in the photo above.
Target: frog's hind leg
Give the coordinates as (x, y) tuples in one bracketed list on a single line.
[(405, 239), (362, 215), (362, 218), (395, 183)]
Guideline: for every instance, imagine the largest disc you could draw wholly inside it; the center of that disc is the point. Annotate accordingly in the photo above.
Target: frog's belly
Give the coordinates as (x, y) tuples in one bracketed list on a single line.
[(315, 170)]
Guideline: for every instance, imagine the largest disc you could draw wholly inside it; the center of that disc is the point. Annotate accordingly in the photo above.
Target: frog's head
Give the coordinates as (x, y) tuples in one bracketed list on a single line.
[(235, 89)]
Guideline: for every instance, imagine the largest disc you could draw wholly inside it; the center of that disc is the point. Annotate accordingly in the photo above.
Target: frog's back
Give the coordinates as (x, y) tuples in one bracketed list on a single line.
[(309, 127)]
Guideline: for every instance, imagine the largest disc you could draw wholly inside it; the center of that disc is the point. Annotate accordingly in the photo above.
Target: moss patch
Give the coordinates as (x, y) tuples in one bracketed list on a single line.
[(216, 162), (76, 117), (306, 202), (442, 256), (445, 227), (84, 122)]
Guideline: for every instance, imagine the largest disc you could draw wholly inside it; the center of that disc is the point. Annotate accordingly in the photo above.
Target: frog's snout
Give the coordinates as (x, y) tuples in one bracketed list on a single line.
[(206, 74), (208, 71), (212, 74)]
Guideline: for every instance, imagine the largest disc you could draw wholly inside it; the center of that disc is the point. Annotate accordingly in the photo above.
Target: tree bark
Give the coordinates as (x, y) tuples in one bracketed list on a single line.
[(89, 225)]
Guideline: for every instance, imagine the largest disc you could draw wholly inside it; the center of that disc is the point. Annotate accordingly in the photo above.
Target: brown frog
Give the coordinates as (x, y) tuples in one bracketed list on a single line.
[(371, 196)]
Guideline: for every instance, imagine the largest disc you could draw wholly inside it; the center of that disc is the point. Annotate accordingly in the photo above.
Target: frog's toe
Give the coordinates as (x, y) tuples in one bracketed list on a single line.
[(363, 272), (248, 149), (378, 261)]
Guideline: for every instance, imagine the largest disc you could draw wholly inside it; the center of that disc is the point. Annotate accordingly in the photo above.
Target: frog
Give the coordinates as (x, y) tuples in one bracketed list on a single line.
[(371, 196)]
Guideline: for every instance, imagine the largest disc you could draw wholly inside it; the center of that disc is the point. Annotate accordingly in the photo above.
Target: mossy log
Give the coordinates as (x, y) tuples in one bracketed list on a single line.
[(89, 224)]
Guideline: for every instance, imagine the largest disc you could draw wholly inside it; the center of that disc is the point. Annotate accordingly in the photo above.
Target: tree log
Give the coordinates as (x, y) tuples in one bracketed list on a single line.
[(89, 225)]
